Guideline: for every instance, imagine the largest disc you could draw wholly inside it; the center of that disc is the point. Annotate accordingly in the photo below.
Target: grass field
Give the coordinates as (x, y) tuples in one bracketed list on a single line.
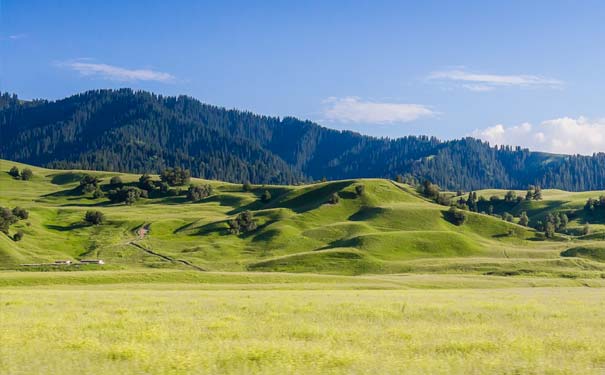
[(379, 283), (389, 229), (162, 329)]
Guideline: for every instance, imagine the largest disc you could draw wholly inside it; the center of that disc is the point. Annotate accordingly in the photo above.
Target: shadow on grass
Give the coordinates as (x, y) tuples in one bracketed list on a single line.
[(65, 228)]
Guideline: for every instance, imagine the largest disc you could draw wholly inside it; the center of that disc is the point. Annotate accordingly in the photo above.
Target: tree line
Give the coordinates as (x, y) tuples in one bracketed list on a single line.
[(137, 132)]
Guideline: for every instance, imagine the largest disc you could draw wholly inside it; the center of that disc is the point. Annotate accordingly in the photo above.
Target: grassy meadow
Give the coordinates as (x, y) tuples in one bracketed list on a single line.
[(138, 330), (380, 283), (388, 229)]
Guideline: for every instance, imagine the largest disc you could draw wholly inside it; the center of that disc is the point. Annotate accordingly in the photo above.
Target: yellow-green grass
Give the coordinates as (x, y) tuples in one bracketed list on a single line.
[(388, 229), (171, 331)]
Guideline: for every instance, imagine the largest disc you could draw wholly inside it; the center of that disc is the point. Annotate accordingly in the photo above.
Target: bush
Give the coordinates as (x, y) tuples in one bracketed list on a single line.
[(116, 180), (14, 171), (334, 198), (18, 236), (246, 186), (508, 217), (266, 197), (456, 216), (244, 222), (94, 217), (360, 189), (20, 213), (198, 192), (26, 174)]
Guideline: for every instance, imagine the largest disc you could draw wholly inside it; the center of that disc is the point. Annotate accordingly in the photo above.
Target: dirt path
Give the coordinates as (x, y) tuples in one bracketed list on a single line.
[(144, 231)]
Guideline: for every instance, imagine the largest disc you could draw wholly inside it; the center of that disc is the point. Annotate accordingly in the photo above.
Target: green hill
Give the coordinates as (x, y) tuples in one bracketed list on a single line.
[(387, 229)]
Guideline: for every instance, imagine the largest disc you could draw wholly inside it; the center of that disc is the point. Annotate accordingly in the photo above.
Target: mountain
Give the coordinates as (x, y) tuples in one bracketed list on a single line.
[(136, 131)]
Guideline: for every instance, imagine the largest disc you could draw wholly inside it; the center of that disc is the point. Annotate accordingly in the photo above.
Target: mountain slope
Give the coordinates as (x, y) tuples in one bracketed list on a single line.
[(128, 131), (388, 229)]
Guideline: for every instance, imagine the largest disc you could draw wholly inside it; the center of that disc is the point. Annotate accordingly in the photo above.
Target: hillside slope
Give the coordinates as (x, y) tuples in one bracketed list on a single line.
[(138, 132), (387, 229)]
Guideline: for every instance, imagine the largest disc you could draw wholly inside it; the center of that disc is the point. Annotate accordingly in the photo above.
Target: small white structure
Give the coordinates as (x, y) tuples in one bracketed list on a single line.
[(92, 261), (62, 261)]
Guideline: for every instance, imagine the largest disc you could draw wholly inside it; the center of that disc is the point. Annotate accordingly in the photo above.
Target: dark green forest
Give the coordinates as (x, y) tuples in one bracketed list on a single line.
[(141, 132)]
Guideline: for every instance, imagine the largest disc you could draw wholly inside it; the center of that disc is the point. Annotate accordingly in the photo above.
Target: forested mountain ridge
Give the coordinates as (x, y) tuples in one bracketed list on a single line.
[(136, 131)]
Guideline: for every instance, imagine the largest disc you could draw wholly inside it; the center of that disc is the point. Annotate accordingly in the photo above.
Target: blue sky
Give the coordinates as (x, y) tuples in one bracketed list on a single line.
[(526, 72)]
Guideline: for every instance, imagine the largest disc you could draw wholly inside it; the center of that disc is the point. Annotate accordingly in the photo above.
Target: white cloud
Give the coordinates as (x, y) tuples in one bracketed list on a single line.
[(486, 82), (116, 73), (354, 110), (562, 135), (17, 36)]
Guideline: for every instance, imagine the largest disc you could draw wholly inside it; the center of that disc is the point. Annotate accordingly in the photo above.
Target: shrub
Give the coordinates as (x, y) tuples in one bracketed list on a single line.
[(116, 180), (198, 192), (456, 216), (508, 217), (94, 217), (334, 198), (18, 236), (26, 174), (20, 213), (14, 171), (246, 186), (266, 197), (360, 189)]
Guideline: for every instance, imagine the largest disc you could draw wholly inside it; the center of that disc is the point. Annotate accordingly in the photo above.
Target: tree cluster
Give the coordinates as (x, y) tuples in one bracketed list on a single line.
[(456, 216), (25, 175), (244, 222), (533, 193), (9, 217), (198, 192), (553, 222), (595, 204), (94, 217), (126, 194), (90, 184), (175, 176)]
